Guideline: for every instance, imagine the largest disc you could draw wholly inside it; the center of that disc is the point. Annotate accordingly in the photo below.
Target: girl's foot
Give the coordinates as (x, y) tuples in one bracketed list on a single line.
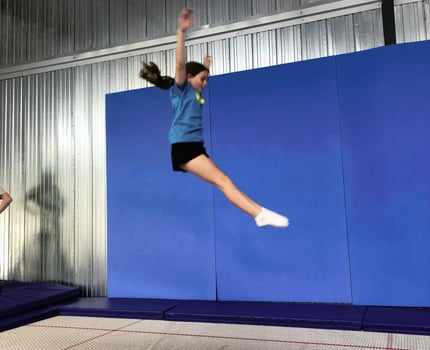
[(268, 217)]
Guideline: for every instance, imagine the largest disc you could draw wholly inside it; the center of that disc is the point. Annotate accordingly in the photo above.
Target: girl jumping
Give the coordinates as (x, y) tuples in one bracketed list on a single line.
[(186, 133)]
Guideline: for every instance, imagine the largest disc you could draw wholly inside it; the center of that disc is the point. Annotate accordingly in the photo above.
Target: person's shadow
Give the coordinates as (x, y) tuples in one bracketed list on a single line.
[(47, 260)]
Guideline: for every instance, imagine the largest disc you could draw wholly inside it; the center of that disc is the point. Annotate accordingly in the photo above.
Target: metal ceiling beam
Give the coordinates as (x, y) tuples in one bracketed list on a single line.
[(389, 22)]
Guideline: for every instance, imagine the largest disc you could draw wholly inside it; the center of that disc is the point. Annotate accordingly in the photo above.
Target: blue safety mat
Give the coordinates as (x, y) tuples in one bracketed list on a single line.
[(333, 316), (309, 315), (153, 309), (21, 303), (398, 320)]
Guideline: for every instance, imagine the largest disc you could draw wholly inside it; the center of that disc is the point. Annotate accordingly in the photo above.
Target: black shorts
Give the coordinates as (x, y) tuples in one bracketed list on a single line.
[(183, 152)]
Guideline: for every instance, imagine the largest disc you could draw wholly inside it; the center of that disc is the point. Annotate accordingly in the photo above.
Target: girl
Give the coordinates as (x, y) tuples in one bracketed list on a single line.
[(186, 136)]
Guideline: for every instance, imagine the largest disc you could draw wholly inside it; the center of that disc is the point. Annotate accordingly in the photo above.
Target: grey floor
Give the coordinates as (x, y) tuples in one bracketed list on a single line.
[(67, 332)]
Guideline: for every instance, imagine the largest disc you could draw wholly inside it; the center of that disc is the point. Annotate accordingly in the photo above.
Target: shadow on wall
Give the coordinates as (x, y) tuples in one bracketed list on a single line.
[(45, 259)]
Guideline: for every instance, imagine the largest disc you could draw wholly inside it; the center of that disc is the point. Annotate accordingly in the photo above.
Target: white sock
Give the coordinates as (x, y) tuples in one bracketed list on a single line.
[(268, 217)]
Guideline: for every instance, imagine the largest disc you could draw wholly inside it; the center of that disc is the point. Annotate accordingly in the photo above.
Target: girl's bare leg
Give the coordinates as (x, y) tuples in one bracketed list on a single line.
[(207, 170)]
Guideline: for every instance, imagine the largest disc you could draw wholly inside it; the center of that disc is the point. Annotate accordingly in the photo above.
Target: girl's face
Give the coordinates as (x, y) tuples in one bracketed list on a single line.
[(199, 81)]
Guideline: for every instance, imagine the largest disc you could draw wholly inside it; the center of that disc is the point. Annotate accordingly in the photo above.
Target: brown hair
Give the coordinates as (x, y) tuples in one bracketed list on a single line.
[(151, 73)]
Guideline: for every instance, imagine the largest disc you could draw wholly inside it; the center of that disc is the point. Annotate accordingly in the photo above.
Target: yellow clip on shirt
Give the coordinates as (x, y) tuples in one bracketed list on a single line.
[(200, 98)]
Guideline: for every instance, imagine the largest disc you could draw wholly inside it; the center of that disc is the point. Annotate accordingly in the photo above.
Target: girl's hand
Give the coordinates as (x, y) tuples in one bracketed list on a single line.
[(185, 19), (207, 61)]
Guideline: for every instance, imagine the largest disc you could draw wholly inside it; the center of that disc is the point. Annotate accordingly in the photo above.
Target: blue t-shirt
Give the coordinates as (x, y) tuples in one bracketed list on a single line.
[(187, 125)]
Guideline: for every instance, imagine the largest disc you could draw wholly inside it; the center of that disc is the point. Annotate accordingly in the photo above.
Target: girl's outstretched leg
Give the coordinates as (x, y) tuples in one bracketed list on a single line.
[(207, 170)]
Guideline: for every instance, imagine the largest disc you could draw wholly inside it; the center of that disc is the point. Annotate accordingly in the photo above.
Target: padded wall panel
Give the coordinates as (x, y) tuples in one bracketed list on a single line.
[(160, 223), (275, 131), (385, 103)]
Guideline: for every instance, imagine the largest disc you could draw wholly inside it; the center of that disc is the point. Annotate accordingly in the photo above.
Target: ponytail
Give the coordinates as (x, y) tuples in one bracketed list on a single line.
[(151, 73)]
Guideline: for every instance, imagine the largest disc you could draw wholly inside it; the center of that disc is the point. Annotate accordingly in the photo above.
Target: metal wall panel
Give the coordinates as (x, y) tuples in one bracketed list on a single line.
[(368, 30), (89, 176), (155, 18), (136, 20), (412, 20), (37, 30), (53, 164), (52, 119)]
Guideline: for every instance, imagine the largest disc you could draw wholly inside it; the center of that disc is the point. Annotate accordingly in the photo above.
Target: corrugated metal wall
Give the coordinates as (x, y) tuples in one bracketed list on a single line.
[(59, 58), (412, 20)]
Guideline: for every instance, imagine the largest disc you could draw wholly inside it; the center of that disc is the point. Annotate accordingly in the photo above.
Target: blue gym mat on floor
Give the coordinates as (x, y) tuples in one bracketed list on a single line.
[(22, 303), (327, 316), (271, 313), (395, 319), (153, 309)]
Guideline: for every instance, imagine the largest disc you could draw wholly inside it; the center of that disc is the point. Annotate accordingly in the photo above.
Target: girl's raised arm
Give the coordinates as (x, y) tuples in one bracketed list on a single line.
[(184, 22)]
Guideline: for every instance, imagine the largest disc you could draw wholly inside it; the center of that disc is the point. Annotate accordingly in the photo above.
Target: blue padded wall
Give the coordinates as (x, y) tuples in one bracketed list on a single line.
[(384, 103), (276, 133), (337, 144), (160, 232)]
